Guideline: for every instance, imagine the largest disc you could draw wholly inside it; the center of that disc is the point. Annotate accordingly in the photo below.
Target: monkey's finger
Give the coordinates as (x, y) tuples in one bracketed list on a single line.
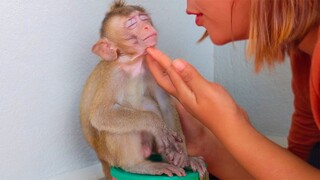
[(176, 136), (193, 166), (164, 171), (198, 164), (185, 161), (178, 161), (166, 143), (170, 156), (202, 165), (177, 171), (178, 147)]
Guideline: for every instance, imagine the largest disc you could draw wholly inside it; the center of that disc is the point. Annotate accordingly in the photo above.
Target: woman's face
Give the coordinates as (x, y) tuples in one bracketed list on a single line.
[(225, 20)]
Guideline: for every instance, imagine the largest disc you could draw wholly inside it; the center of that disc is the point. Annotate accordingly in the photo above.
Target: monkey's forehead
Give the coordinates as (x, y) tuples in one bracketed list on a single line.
[(121, 20), (117, 30), (117, 22)]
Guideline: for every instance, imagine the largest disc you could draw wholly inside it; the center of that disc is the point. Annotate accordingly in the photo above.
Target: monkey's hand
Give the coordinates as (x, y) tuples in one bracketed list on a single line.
[(166, 139), (177, 158), (198, 164)]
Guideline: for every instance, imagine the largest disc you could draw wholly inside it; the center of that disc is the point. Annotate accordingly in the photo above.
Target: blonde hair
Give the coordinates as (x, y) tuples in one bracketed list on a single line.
[(278, 26)]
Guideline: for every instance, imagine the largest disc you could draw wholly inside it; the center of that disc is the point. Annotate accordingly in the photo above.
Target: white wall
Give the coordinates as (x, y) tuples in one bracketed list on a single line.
[(266, 96), (44, 60)]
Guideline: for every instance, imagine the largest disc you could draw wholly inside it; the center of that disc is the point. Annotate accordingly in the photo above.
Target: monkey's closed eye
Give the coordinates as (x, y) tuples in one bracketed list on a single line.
[(131, 23), (132, 39), (144, 17)]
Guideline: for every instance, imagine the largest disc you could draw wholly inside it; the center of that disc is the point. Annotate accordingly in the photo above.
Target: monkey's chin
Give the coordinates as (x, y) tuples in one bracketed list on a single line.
[(151, 44)]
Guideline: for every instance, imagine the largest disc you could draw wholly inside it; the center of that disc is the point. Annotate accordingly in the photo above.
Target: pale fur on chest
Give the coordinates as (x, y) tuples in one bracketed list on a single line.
[(135, 89)]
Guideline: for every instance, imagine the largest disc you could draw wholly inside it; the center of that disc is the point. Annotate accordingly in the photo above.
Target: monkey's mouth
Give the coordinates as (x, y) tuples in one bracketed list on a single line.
[(150, 36)]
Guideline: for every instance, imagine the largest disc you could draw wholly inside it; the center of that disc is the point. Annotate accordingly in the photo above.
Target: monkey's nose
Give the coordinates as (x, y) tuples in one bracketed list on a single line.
[(146, 27)]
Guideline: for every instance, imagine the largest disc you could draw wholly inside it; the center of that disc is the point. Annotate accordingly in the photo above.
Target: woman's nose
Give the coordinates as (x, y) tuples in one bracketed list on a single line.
[(191, 8)]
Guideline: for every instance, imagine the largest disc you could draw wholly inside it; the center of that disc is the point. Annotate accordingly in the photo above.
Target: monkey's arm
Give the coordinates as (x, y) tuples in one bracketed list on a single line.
[(115, 118), (121, 119)]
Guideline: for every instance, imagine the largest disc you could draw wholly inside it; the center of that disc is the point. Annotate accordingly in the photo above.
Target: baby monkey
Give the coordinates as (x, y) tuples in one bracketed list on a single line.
[(125, 115)]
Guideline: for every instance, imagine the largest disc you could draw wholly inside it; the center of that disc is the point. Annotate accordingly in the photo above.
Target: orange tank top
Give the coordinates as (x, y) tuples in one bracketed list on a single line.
[(305, 127)]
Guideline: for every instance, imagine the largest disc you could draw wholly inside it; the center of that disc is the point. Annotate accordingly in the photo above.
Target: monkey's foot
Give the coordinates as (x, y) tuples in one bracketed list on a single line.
[(155, 168), (198, 164)]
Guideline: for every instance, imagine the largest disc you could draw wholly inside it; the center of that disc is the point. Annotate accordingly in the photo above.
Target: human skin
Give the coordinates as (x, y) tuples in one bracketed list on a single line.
[(245, 149), (225, 20)]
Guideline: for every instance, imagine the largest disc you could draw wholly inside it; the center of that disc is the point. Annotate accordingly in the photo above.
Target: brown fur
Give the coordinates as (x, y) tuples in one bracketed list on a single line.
[(124, 114)]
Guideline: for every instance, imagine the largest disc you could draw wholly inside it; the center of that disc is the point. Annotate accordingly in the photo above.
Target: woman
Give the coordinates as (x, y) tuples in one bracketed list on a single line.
[(222, 133)]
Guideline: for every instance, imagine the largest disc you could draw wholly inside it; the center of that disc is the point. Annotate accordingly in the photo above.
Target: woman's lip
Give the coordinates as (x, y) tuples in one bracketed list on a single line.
[(193, 13), (198, 20), (198, 17)]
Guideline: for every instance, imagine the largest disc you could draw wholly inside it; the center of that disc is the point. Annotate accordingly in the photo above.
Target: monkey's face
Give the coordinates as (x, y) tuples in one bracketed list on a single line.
[(134, 33)]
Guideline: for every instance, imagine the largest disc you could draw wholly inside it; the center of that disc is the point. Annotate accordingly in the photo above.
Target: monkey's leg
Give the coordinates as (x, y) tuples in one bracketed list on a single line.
[(102, 152), (128, 152), (146, 144), (106, 170)]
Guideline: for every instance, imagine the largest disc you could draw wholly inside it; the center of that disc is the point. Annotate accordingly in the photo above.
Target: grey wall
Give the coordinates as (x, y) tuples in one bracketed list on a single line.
[(266, 96), (45, 59)]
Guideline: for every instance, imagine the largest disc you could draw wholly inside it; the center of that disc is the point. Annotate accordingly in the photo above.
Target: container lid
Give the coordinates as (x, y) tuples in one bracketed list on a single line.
[(120, 174)]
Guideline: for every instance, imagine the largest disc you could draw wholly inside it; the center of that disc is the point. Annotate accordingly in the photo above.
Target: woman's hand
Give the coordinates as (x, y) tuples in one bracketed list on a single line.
[(211, 104), (202, 142), (196, 134), (206, 101)]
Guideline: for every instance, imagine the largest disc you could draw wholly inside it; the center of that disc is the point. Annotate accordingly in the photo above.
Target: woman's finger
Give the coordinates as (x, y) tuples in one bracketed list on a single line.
[(190, 76), (187, 72), (181, 89), (160, 75), (160, 57)]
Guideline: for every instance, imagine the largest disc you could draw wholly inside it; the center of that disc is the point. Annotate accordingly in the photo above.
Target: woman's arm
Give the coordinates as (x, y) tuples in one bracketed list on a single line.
[(201, 141), (211, 104)]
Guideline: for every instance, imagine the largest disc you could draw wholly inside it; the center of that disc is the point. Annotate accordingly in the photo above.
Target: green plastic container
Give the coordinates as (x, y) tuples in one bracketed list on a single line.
[(120, 174)]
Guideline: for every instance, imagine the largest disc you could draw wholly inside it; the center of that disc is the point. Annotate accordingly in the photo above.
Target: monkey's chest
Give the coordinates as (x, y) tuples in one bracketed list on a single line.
[(135, 91)]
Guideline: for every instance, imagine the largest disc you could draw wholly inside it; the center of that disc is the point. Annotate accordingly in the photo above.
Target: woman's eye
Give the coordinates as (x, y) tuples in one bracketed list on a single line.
[(131, 23), (144, 17)]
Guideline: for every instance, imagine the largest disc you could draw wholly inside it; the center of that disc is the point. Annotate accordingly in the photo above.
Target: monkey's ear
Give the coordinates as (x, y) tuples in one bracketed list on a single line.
[(105, 50)]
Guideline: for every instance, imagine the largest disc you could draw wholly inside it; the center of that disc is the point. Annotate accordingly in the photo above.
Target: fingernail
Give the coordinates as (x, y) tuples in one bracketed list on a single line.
[(179, 65)]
